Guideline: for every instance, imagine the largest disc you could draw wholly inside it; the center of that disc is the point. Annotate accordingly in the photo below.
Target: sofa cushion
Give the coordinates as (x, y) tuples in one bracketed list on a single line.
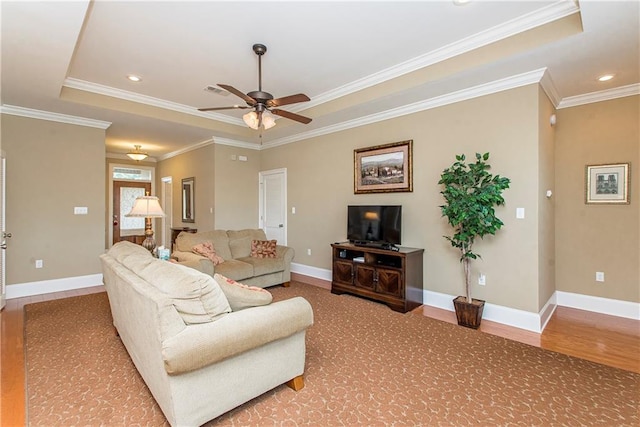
[(263, 248), (235, 269), (196, 296), (186, 241), (242, 296), (206, 249), (240, 241), (263, 266)]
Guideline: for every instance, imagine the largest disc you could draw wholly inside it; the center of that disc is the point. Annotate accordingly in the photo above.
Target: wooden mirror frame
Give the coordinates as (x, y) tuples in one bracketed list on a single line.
[(188, 200)]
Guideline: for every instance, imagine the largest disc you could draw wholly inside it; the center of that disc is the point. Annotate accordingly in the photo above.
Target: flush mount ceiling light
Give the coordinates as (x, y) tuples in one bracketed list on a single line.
[(605, 78), (134, 78), (137, 154)]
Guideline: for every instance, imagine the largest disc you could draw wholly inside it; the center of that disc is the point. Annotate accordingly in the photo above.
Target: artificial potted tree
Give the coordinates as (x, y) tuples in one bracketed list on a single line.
[(471, 193)]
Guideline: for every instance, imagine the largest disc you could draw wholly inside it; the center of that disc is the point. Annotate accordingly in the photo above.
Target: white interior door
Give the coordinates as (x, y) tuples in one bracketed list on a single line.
[(3, 233), (273, 204)]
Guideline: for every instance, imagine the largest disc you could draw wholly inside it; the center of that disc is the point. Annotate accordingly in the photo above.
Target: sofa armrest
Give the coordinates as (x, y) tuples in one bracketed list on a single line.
[(201, 345), (198, 262), (285, 252)]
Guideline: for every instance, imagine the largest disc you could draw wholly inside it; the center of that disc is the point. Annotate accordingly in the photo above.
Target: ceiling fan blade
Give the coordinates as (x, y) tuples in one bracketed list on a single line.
[(249, 100), (286, 100), (234, 107), (292, 116)]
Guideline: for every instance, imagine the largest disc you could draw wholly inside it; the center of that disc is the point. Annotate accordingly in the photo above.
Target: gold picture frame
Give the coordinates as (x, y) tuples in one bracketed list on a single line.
[(384, 168), (607, 184)]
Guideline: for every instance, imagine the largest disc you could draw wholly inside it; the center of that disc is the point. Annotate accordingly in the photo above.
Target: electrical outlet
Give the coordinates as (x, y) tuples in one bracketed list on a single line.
[(39, 263), (308, 251), (599, 276), (482, 279)]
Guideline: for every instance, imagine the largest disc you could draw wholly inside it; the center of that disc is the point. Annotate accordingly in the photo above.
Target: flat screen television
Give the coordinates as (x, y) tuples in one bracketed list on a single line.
[(374, 225)]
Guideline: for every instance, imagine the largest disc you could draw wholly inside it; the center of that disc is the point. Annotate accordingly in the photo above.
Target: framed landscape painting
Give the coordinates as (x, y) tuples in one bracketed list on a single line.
[(384, 168), (607, 184)]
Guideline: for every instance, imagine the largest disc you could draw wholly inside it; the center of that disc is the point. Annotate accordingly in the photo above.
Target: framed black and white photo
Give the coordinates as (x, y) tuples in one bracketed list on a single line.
[(384, 168), (607, 184)]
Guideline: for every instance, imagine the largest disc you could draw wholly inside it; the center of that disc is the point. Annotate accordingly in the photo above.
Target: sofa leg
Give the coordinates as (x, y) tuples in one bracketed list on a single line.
[(297, 383), (286, 284)]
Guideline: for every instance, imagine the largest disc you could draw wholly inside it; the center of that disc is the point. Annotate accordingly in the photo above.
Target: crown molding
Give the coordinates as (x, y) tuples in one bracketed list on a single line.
[(545, 15), (99, 89), (599, 96), (550, 88), (236, 143), (186, 150), (512, 82), (53, 117)]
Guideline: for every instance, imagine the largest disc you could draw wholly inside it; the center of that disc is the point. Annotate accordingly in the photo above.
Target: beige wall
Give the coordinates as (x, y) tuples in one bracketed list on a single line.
[(200, 165), (603, 237), (52, 168), (320, 186), (236, 188), (546, 209)]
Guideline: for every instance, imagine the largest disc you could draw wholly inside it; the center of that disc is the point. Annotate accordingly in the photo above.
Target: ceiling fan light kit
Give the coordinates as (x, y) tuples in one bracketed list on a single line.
[(262, 103)]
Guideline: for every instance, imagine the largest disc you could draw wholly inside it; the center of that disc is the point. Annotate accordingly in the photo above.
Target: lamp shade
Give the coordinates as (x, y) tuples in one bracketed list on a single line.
[(255, 120), (146, 207), (251, 119), (268, 121)]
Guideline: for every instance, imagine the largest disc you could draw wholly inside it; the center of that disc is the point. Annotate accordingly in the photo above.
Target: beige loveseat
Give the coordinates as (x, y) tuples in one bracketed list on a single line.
[(198, 357), (234, 246)]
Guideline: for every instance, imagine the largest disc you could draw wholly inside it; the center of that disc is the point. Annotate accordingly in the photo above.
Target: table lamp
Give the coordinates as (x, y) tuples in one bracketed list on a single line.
[(147, 207)]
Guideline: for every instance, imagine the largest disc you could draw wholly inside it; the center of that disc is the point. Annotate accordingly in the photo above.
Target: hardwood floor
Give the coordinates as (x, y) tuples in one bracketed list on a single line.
[(609, 340)]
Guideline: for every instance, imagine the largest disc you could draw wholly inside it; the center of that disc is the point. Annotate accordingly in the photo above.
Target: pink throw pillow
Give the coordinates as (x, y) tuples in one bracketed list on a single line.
[(206, 249), (220, 278), (263, 248)]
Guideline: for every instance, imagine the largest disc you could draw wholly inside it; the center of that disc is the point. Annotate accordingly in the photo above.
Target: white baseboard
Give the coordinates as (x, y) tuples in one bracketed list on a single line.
[(307, 270), (612, 307), (56, 285), (495, 313), (535, 322)]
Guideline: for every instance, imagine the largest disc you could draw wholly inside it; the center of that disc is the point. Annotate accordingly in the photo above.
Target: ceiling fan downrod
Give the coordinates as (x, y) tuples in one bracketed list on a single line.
[(260, 96)]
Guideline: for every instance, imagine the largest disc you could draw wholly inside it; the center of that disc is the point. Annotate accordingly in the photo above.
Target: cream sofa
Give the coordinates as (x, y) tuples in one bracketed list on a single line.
[(198, 357), (234, 246)]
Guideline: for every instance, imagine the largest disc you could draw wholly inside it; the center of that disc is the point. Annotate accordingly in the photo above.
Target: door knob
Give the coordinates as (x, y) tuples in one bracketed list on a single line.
[(6, 235), (3, 246), (280, 225)]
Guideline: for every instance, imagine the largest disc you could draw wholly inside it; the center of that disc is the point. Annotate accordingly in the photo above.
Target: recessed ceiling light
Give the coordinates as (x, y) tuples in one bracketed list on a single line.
[(134, 78), (461, 2), (605, 78)]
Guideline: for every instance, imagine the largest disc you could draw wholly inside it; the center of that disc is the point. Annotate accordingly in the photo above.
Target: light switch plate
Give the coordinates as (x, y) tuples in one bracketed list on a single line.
[(520, 213), (80, 210)]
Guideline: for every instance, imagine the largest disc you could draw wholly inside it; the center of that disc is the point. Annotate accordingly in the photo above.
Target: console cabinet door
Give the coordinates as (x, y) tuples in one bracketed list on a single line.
[(365, 277), (389, 282), (343, 272)]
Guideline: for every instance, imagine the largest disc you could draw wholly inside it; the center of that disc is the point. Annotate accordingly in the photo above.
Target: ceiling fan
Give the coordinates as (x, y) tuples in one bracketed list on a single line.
[(263, 103)]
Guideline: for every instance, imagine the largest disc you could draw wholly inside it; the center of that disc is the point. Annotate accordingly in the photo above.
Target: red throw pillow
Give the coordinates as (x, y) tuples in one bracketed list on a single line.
[(263, 248), (206, 249)]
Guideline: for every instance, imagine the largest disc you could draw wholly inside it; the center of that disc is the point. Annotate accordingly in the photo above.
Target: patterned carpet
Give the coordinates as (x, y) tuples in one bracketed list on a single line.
[(366, 366)]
